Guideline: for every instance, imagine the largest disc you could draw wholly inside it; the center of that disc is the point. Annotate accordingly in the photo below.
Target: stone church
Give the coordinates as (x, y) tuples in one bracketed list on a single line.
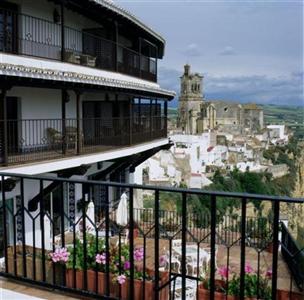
[(196, 114)]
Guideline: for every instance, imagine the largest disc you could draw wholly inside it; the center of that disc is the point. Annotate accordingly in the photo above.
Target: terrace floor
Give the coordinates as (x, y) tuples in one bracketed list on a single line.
[(14, 290)]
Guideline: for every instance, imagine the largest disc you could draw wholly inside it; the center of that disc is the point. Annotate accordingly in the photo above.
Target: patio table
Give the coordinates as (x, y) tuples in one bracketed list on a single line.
[(192, 252)]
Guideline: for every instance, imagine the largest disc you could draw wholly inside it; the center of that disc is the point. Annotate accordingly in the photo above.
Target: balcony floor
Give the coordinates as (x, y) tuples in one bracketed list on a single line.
[(16, 291)]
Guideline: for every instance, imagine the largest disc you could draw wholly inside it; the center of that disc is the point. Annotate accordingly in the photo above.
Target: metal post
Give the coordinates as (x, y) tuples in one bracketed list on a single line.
[(184, 242), (62, 30), (5, 127), (23, 227), (166, 117), (78, 94), (151, 119), (131, 241), (213, 241), (63, 117), (243, 248), (139, 53), (156, 241), (42, 229), (4, 222), (276, 212), (130, 121), (116, 46)]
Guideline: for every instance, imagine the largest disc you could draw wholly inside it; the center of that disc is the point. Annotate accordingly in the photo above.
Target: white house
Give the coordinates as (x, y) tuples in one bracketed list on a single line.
[(79, 98)]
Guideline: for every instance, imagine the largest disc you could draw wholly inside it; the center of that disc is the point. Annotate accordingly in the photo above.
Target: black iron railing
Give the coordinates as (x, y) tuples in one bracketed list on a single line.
[(294, 256), (259, 229), (37, 37), (85, 251), (40, 139)]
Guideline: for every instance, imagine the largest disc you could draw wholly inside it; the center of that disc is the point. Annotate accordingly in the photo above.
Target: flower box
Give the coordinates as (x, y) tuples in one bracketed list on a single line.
[(286, 295), (91, 281), (204, 293), (147, 287), (29, 257)]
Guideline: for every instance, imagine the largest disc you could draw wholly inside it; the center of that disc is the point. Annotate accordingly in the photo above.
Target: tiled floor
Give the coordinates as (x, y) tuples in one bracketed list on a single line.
[(13, 290)]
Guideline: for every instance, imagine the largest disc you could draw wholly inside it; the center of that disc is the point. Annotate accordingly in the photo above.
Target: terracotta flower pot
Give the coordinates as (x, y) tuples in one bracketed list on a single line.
[(91, 281), (286, 295), (204, 293), (147, 288)]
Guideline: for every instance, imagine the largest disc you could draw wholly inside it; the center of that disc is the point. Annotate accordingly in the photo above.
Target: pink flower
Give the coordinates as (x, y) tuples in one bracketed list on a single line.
[(268, 274), (121, 279), (101, 258), (248, 268), (163, 260), (127, 265), (60, 255), (139, 254), (223, 271)]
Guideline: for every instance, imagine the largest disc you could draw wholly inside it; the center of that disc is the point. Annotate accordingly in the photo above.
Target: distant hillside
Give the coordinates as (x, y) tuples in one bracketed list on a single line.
[(283, 114)]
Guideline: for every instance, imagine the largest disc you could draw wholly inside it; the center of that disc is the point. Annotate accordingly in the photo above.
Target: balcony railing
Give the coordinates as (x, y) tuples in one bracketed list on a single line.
[(41, 139), (85, 251), (36, 37)]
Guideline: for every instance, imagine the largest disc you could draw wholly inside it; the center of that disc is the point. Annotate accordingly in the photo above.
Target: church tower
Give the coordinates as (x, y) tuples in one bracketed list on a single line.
[(190, 101)]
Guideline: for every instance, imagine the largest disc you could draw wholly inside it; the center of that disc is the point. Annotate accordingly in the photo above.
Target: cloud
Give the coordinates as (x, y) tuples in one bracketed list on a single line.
[(282, 90), (228, 50), (192, 50)]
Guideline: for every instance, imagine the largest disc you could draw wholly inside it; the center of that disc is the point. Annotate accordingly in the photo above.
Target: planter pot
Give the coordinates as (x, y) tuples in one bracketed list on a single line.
[(145, 289), (91, 281), (30, 263), (286, 295), (203, 293)]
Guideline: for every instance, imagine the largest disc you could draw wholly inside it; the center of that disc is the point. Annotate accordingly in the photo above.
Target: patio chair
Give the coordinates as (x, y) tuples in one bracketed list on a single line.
[(176, 289), (208, 258), (173, 260), (176, 243)]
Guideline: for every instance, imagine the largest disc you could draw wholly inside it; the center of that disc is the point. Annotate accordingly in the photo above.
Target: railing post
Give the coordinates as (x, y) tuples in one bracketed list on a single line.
[(151, 119), (5, 127), (4, 222), (276, 216), (63, 117), (156, 245), (213, 241), (243, 247), (78, 139), (139, 54), (131, 239), (62, 30), (131, 122), (184, 242), (116, 46), (166, 118)]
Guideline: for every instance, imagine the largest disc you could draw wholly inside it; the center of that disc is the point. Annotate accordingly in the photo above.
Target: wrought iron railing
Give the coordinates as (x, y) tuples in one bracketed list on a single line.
[(37, 37), (122, 260), (40, 139), (294, 256)]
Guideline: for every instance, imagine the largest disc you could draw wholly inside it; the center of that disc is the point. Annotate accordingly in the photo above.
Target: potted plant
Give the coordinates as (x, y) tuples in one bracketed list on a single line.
[(230, 289), (203, 291), (59, 257), (94, 268), (144, 280)]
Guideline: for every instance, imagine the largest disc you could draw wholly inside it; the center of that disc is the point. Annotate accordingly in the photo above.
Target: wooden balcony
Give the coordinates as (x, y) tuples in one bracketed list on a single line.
[(44, 139)]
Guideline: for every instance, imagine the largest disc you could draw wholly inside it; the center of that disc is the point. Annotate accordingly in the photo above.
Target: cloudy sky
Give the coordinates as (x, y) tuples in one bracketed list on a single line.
[(248, 51)]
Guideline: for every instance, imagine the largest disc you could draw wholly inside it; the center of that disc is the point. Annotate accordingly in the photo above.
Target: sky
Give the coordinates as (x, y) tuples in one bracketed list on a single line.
[(248, 51)]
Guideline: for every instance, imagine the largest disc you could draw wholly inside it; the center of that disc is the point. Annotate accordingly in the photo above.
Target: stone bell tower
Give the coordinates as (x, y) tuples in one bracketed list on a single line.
[(190, 101)]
